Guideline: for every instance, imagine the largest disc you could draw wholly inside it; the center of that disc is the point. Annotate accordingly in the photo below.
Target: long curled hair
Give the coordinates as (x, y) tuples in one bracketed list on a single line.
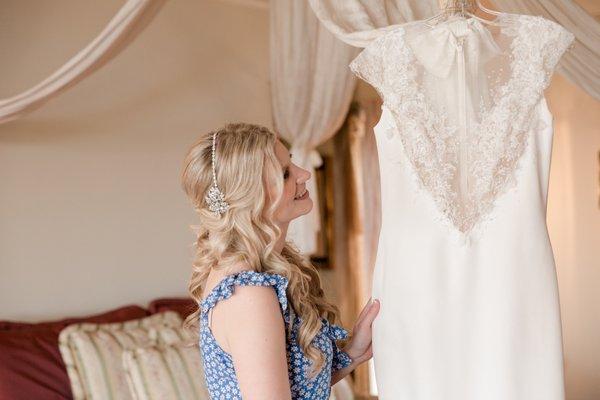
[(246, 165)]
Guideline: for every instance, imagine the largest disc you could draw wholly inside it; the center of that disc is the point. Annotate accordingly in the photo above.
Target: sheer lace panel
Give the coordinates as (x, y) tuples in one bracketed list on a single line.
[(462, 95)]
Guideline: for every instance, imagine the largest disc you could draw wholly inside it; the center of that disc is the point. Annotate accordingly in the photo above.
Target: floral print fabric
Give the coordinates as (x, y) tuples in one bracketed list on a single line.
[(219, 371)]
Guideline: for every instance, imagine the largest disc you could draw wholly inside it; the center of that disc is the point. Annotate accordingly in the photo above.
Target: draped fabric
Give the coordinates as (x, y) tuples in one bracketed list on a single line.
[(125, 26), (311, 89), (358, 22)]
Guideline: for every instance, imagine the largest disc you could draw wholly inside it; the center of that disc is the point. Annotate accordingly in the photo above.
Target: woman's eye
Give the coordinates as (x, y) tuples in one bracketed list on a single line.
[(286, 174)]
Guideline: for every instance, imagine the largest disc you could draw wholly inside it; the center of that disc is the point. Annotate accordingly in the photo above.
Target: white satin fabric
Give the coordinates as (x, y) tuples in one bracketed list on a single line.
[(436, 49), (476, 322)]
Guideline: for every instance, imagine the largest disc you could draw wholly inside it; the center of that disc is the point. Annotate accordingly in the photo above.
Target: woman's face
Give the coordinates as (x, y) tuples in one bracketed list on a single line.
[(295, 200)]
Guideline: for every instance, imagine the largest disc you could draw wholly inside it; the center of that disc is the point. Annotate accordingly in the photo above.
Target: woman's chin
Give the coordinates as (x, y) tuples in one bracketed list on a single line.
[(304, 206)]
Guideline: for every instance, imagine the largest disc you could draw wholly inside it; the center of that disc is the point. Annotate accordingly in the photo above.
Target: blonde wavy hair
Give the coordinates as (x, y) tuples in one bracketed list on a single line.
[(246, 164)]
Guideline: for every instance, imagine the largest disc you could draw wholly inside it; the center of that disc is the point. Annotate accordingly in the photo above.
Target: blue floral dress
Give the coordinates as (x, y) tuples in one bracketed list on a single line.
[(219, 372)]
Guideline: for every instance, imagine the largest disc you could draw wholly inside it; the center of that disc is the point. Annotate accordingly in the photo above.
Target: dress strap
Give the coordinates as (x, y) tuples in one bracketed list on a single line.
[(224, 289)]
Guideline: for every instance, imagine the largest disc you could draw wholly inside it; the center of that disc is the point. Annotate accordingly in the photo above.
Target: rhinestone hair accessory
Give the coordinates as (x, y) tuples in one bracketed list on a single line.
[(215, 198)]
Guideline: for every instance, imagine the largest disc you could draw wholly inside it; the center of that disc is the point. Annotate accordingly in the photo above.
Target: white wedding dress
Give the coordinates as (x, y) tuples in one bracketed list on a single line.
[(465, 270)]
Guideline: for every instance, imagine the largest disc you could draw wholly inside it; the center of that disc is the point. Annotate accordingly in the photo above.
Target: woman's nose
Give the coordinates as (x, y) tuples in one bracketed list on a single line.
[(303, 176)]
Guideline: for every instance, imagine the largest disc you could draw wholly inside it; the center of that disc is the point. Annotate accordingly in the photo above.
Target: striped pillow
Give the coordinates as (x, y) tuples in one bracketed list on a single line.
[(92, 353), (169, 335), (165, 372)]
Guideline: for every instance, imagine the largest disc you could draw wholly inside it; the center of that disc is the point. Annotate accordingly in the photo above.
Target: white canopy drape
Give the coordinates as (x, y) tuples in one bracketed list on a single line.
[(311, 90), (358, 22), (129, 22)]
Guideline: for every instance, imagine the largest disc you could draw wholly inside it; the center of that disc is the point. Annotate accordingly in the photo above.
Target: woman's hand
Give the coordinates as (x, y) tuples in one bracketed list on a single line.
[(360, 348)]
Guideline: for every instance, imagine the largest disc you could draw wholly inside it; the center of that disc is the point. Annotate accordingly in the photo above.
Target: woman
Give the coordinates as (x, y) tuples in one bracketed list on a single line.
[(266, 330)]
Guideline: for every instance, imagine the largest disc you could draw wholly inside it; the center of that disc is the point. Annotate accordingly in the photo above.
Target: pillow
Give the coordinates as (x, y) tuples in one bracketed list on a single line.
[(166, 372), (174, 340), (183, 305), (174, 372), (31, 366), (117, 315), (172, 369), (92, 353)]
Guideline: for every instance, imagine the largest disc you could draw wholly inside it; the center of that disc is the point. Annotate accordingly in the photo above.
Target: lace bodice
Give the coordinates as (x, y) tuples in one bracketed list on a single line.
[(462, 94)]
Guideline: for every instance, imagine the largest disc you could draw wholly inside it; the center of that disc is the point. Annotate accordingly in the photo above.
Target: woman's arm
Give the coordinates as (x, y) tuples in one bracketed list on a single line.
[(255, 338), (359, 348)]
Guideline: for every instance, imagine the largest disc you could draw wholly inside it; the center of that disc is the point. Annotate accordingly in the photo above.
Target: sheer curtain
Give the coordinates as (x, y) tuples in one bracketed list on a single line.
[(311, 89), (129, 22), (358, 22)]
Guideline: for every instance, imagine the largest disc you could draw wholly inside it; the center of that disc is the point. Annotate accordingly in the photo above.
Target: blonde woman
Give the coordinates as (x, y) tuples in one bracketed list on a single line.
[(266, 331)]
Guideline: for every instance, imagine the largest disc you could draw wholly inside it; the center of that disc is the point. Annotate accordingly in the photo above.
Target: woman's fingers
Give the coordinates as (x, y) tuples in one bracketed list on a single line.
[(368, 353), (360, 345), (364, 310), (373, 311), (368, 314)]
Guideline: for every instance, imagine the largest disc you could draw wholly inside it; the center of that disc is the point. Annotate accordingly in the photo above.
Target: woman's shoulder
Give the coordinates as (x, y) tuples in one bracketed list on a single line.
[(216, 276), (245, 286), (248, 303)]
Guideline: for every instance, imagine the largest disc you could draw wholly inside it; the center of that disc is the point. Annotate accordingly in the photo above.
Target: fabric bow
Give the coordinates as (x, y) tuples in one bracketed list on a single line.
[(335, 332), (437, 48)]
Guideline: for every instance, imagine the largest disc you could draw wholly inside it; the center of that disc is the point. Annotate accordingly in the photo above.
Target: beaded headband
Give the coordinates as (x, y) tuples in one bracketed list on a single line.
[(215, 198)]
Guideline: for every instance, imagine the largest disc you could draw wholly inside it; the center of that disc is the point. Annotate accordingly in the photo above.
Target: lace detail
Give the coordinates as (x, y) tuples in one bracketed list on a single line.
[(466, 175)]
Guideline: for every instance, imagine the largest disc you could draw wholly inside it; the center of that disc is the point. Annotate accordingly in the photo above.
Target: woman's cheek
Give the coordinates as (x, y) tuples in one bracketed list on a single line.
[(291, 191)]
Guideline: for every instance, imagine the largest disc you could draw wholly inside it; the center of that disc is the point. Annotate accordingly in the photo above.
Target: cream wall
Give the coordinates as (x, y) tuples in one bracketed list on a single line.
[(91, 212)]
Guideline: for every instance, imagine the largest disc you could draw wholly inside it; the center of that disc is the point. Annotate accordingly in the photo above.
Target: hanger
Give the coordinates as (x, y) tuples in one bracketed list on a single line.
[(487, 10), (462, 8)]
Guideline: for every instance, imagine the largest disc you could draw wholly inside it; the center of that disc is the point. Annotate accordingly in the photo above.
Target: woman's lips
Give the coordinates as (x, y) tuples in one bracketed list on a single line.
[(302, 196)]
